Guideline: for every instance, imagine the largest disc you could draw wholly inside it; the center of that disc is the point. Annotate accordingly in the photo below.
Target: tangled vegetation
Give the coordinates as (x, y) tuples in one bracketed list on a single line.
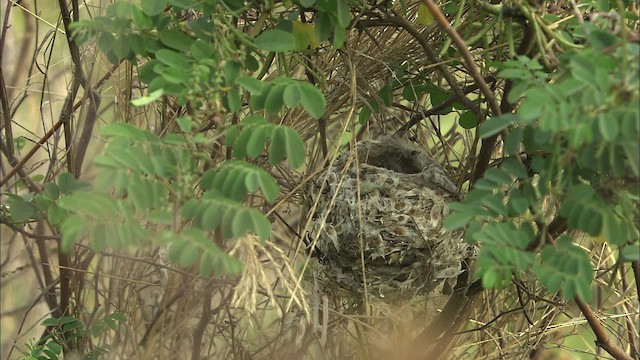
[(158, 156)]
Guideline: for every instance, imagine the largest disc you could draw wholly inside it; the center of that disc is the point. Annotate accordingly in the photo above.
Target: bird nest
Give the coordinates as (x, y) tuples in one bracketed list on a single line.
[(380, 220)]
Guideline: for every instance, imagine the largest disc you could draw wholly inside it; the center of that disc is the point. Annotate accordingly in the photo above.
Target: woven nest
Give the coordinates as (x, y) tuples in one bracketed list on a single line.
[(403, 201)]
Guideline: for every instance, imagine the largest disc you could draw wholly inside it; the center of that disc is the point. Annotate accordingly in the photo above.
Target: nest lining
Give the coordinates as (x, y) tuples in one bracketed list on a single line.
[(396, 224)]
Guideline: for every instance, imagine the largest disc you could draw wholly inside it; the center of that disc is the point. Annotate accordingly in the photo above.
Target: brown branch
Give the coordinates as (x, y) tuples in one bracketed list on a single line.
[(198, 332), (87, 131), (28, 234), (6, 115), (488, 144), (76, 157), (4, 96), (464, 50), (602, 338), (49, 281)]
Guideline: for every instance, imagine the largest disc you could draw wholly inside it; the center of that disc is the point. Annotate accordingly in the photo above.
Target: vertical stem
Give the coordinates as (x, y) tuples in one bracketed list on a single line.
[(198, 332)]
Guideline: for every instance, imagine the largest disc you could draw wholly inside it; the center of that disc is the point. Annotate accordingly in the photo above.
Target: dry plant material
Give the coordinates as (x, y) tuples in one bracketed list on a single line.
[(380, 230)]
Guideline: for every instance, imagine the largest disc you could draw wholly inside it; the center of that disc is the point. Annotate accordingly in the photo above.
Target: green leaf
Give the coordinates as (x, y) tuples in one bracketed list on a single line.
[(140, 19), (498, 176), (514, 74), (567, 267), (323, 26), (515, 168), (312, 99), (72, 229), (240, 146), (364, 115), (66, 183), (120, 157), (203, 28), (609, 128), (55, 348), (52, 190), (630, 253), (20, 209), (535, 102), (260, 225), (56, 215), (495, 203), (146, 100), (601, 39), (231, 135), (251, 84), (234, 5), (211, 216), (124, 130), (343, 15), (202, 50), (234, 101), (583, 209), (173, 75), (632, 150), (241, 223), (274, 102), (162, 217), (185, 4), (185, 123), (176, 39), (437, 96), (513, 141), (256, 143), (172, 58), (105, 41), (456, 220), (268, 186), (231, 71), (121, 47), (153, 7), (257, 101), (468, 120), (286, 142), (518, 203), (276, 40), (292, 95), (339, 35), (490, 279), (494, 125), (251, 64), (386, 93)]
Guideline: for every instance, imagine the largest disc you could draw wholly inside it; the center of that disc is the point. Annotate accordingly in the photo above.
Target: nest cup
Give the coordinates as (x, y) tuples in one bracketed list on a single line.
[(395, 223)]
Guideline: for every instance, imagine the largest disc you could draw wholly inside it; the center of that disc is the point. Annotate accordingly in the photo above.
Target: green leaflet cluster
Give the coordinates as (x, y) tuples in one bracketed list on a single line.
[(572, 155), (153, 188), (249, 138), (43, 205), (68, 329), (502, 214), (194, 62), (154, 178)]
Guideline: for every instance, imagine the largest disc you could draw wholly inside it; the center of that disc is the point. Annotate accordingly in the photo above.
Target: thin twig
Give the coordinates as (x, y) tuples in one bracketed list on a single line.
[(433, 57)]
